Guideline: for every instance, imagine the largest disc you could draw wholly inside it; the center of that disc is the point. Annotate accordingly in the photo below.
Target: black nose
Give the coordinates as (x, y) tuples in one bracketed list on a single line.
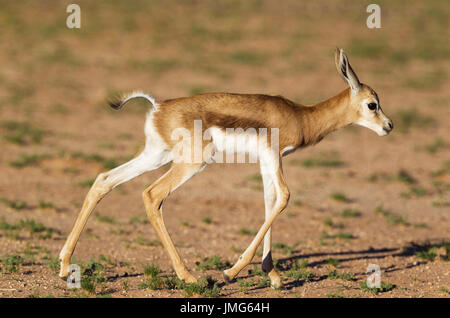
[(391, 125)]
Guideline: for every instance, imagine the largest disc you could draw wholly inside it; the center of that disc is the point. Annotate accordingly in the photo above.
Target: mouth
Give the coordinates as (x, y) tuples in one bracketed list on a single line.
[(386, 131)]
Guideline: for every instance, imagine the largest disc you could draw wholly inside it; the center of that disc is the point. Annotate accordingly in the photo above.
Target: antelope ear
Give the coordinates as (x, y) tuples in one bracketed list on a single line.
[(346, 71)]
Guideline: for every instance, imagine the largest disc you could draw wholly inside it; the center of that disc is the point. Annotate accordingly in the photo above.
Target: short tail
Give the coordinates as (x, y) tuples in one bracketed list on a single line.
[(122, 100)]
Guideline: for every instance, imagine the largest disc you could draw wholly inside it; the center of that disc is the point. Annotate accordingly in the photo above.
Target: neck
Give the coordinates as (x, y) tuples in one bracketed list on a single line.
[(320, 119)]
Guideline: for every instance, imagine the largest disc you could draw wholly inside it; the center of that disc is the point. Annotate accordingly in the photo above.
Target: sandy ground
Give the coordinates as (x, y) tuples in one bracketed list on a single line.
[(363, 200)]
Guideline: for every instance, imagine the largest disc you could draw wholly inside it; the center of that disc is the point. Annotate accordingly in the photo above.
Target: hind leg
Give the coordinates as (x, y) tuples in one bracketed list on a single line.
[(103, 184), (154, 197)]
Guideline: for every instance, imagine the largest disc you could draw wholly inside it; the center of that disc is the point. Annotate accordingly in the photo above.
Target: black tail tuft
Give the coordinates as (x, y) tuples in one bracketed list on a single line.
[(115, 103)]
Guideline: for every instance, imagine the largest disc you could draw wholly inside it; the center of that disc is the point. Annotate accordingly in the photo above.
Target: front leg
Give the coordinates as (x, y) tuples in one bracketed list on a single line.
[(282, 198), (269, 202)]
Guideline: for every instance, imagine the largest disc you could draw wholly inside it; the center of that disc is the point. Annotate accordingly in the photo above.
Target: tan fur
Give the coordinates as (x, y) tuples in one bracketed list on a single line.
[(154, 196), (299, 126)]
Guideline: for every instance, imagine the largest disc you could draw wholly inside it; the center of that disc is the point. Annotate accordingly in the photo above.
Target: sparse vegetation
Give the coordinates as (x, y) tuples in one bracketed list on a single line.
[(416, 191), (93, 276), (46, 205), (14, 204), (255, 182), (407, 119), (350, 213), (139, 219), (329, 222), (436, 145), (87, 183), (28, 160), (207, 220), (107, 163), (286, 249), (315, 162), (431, 79), (11, 263), (206, 287), (333, 262), (405, 177), (298, 271), (345, 276), (385, 287), (248, 58), (212, 263), (22, 133), (444, 170), (104, 219), (390, 217), (245, 231), (53, 264), (429, 251), (143, 241), (375, 177), (245, 285), (340, 235), (33, 227), (339, 196)]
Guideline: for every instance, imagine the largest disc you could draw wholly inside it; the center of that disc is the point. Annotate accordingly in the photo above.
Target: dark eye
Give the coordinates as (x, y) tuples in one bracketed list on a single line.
[(372, 106)]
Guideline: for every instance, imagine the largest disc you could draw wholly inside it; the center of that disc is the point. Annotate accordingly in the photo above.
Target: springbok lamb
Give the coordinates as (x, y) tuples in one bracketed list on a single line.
[(294, 126)]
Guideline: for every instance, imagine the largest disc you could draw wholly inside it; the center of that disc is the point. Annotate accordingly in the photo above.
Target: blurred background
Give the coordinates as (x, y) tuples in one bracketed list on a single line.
[(57, 133)]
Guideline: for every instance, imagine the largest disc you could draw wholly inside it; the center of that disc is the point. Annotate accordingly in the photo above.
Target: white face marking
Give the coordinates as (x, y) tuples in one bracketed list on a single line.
[(368, 118)]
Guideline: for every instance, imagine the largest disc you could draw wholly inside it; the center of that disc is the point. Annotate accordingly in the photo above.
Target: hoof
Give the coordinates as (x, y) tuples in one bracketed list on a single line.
[(275, 280), (276, 284), (64, 270), (226, 277), (63, 275), (189, 279)]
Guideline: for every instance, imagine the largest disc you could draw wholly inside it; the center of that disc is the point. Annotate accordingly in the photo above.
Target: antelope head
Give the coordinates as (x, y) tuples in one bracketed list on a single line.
[(364, 103)]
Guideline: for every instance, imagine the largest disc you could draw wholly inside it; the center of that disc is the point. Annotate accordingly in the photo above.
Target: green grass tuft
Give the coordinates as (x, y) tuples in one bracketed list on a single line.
[(345, 276), (22, 133), (104, 219), (339, 196), (385, 287), (212, 263), (350, 213), (28, 160), (11, 263), (390, 217)]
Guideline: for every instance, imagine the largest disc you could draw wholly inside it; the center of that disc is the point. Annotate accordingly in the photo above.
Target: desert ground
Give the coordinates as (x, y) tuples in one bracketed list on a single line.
[(356, 198)]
